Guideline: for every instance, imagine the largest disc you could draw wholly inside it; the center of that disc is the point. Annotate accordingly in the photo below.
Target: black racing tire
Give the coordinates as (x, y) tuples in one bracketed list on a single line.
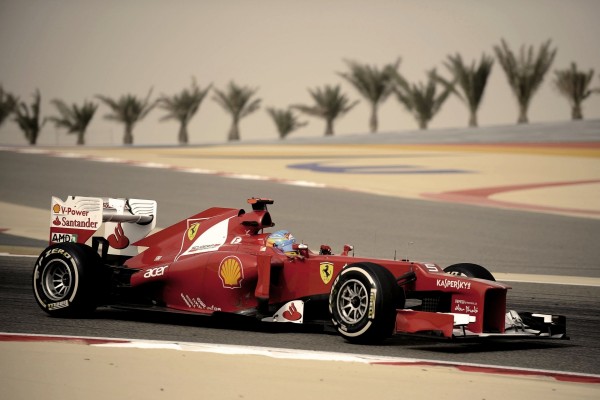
[(68, 280), (363, 302), (470, 270)]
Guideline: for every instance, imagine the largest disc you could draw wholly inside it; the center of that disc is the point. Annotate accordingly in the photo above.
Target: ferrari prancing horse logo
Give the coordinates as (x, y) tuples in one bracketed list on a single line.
[(192, 230), (326, 270)]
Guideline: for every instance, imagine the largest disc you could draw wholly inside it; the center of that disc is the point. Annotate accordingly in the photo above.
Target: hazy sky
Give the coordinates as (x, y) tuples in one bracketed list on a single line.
[(76, 49)]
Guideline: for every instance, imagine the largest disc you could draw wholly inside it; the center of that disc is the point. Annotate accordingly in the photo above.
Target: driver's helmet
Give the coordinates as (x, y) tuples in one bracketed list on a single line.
[(282, 240)]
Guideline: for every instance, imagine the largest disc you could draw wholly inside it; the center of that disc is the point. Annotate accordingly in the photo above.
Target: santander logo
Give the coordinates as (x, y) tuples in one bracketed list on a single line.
[(292, 314), (118, 240)]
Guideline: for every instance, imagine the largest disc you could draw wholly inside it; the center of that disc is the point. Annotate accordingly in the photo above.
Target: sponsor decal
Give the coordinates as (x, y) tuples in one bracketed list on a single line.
[(58, 251), (76, 212), (204, 248), (291, 311), (64, 221), (193, 230), (453, 284), (291, 314), (210, 240), (196, 302), (118, 240), (63, 237), (372, 299), (62, 210), (154, 272), (236, 240), (231, 272), (60, 304), (466, 306), (326, 271)]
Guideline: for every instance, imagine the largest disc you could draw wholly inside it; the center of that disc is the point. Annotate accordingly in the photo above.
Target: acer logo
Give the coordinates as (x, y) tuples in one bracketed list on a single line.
[(154, 272)]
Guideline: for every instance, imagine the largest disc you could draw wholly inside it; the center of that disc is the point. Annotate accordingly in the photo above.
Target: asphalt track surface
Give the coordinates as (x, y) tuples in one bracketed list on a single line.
[(502, 240)]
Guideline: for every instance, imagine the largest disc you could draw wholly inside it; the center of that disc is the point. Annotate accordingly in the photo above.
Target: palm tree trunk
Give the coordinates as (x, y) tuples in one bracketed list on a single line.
[(373, 123), (128, 137), (473, 119), (329, 127), (422, 123), (80, 140), (523, 114), (183, 133), (31, 136), (576, 112), (234, 131)]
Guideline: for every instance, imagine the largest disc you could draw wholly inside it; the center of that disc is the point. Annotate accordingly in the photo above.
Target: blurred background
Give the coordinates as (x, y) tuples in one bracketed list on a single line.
[(74, 50)]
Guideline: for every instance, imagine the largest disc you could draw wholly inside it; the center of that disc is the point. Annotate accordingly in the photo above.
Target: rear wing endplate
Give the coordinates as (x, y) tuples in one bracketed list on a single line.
[(122, 222)]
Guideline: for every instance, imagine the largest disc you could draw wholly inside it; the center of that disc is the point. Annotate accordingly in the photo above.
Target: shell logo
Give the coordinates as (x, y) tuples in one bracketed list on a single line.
[(56, 209), (231, 272)]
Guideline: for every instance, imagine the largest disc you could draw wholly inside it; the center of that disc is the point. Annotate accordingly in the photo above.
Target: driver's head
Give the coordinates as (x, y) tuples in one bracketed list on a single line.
[(282, 240)]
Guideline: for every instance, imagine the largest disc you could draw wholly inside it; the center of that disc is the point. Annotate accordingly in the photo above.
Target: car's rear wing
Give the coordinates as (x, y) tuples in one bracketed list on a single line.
[(122, 222)]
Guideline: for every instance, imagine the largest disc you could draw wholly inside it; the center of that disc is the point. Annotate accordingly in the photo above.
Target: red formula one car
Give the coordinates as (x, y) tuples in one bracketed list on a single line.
[(102, 253)]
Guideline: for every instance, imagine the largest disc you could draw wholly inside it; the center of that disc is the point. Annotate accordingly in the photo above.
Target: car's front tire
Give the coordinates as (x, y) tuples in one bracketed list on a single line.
[(363, 302), (68, 280), (470, 270)]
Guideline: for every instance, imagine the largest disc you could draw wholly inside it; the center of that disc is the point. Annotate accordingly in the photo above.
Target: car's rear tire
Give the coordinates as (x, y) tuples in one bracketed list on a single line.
[(68, 280), (470, 270), (363, 302)]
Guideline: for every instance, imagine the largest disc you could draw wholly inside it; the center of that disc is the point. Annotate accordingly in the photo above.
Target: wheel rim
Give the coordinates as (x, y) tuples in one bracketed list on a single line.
[(56, 280), (353, 301)]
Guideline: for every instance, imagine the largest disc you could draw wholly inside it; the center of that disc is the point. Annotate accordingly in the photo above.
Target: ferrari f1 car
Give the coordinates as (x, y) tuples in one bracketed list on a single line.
[(103, 252)]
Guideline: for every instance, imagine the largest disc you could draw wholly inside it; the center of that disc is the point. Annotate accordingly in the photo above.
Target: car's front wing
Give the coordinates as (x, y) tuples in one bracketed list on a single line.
[(455, 326)]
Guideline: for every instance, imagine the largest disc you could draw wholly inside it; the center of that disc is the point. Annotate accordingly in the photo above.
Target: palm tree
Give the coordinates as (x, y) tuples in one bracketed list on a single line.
[(526, 72), (374, 84), (471, 81), (330, 104), (285, 120), (128, 109), (182, 107), (422, 99), (575, 86), (237, 101), (28, 118), (75, 119), (8, 102)]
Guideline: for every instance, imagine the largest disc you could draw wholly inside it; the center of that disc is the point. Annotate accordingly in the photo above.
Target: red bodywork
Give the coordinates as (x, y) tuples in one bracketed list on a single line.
[(218, 260)]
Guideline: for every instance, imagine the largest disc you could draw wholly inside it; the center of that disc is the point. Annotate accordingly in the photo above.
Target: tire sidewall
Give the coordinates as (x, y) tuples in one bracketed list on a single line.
[(470, 270), (79, 299), (358, 328), (378, 321)]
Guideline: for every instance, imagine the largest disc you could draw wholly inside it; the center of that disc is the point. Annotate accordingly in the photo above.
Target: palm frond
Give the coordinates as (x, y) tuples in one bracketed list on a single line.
[(330, 104), (525, 72), (29, 118), (238, 102), (422, 99), (128, 109), (285, 121), (574, 85), (8, 103)]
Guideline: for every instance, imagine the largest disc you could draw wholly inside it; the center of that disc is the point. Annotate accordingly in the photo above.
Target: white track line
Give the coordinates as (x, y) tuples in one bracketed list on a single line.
[(294, 354)]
